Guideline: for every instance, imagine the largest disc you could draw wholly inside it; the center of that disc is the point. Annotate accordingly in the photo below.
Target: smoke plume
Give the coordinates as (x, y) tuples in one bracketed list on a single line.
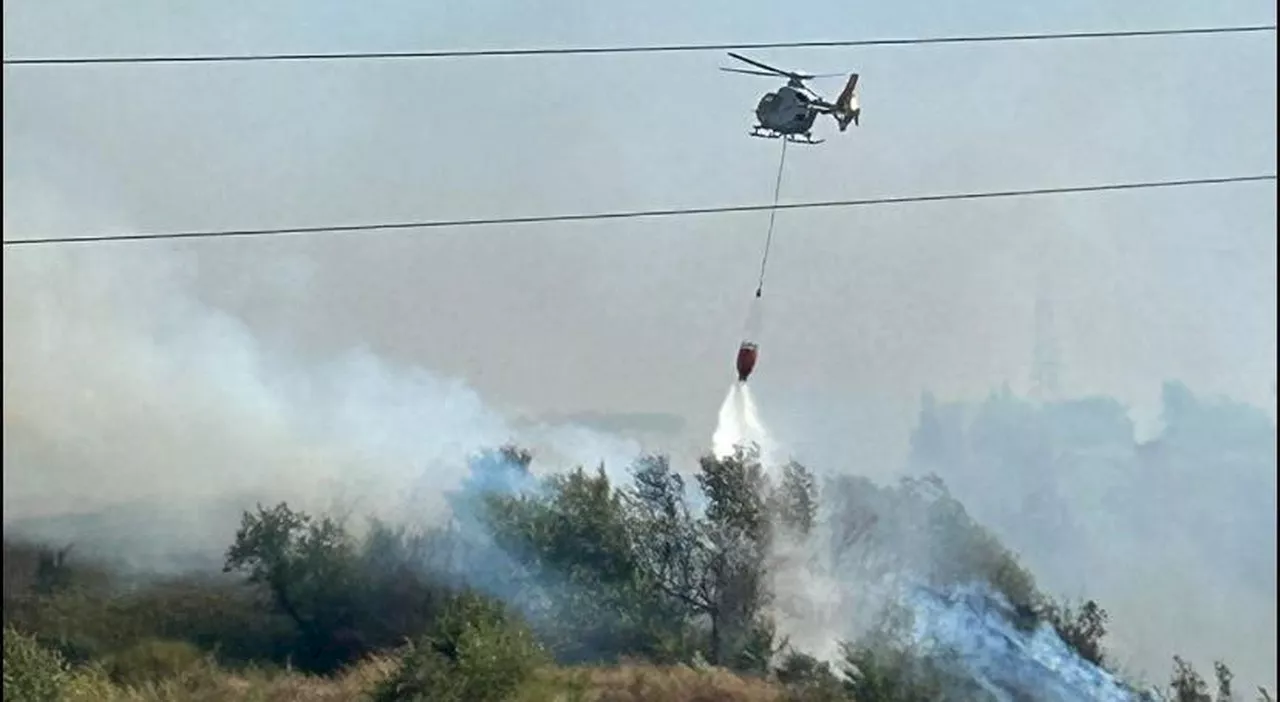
[(128, 397), (125, 394), (1175, 536)]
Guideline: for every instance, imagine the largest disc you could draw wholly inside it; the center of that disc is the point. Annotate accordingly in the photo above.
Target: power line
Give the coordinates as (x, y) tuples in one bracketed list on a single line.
[(652, 49), (636, 214)]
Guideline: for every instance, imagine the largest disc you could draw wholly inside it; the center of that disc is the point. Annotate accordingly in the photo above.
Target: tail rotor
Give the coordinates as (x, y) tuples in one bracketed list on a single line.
[(847, 107)]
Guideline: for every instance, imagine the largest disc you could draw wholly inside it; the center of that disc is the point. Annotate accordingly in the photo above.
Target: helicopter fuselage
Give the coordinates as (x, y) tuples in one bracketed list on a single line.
[(786, 111)]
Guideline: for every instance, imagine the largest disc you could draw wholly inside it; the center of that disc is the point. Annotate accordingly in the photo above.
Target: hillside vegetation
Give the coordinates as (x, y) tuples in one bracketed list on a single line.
[(565, 588)]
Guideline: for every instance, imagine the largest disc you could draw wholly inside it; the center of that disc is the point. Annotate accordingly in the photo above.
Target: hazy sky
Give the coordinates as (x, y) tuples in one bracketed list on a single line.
[(864, 309)]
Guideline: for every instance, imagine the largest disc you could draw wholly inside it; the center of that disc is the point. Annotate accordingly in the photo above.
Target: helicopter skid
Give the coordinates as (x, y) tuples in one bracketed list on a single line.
[(793, 138)]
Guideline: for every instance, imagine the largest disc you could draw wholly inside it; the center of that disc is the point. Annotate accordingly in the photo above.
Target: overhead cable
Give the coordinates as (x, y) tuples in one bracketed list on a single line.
[(641, 49), (637, 214)]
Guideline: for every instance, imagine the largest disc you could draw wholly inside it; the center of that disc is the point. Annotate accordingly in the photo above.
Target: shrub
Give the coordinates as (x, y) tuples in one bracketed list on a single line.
[(89, 684), (212, 615), (885, 667), (32, 673), (476, 653), (1186, 685), (1081, 629), (806, 679), (153, 661), (888, 675), (228, 618)]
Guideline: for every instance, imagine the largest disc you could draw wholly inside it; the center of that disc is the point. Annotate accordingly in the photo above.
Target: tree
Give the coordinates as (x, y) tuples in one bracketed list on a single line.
[(52, 571), (308, 567), (346, 598), (573, 541), (1224, 677), (739, 531), (713, 565), (852, 516), (400, 584), (1186, 685), (795, 503)]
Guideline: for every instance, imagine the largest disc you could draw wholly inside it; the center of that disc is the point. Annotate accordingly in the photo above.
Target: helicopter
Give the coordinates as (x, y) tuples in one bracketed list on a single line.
[(790, 111)]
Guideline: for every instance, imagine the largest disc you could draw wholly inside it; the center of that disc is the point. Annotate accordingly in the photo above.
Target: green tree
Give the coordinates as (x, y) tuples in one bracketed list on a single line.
[(573, 540), (739, 532), (401, 583), (635, 571), (308, 566), (344, 597), (795, 502), (713, 565)]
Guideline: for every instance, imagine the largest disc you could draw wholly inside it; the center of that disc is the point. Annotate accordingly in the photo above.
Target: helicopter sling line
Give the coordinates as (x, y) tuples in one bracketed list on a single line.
[(639, 214), (773, 215), (749, 349)]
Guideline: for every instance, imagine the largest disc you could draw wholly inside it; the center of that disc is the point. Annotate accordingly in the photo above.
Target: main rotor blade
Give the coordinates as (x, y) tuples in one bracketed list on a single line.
[(767, 67), (749, 72), (793, 75)]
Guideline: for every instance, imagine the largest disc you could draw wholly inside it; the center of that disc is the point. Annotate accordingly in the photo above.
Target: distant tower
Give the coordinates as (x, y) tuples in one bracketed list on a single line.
[(1045, 363)]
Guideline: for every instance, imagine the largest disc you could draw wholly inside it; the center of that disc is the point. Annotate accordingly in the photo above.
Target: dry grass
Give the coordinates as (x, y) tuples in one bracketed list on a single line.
[(648, 683), (624, 683), (209, 684)]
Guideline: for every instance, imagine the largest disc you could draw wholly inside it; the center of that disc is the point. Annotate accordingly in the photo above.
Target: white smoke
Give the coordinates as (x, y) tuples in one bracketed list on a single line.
[(834, 586), (823, 597), (121, 387), (975, 625)]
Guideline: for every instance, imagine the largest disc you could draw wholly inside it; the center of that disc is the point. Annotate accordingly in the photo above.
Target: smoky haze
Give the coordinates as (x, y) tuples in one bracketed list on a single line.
[(1175, 534), (322, 369), (124, 393)]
